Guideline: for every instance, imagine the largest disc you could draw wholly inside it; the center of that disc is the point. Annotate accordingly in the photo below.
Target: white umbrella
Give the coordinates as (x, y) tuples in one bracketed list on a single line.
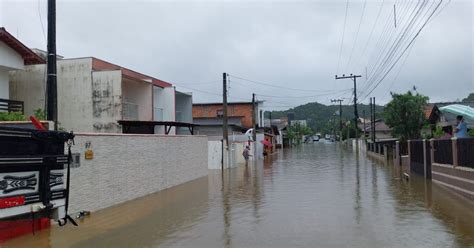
[(458, 109)]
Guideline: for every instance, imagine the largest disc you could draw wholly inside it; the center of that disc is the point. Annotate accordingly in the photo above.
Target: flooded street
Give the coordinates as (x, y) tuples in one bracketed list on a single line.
[(317, 195)]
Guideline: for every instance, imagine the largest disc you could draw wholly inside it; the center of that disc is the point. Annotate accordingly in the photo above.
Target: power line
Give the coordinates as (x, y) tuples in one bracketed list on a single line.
[(373, 28), (389, 36), (408, 46), (380, 67), (343, 34), (272, 85), (384, 39), (357, 36)]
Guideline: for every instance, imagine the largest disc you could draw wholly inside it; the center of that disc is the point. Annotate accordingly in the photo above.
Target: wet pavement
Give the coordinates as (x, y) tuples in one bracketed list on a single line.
[(316, 195)]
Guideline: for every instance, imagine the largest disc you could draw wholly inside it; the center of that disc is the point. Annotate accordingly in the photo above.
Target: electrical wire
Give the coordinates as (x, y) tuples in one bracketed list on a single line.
[(406, 48), (343, 34), (272, 85), (357, 35)]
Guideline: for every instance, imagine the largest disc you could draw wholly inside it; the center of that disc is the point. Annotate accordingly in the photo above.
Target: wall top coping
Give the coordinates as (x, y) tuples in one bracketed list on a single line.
[(138, 135), (454, 167)]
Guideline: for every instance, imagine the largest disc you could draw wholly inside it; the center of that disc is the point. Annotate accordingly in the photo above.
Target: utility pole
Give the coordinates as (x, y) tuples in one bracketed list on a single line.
[(254, 127), (340, 114), (225, 129), (356, 114), (373, 123), (363, 116), (371, 120), (51, 81)]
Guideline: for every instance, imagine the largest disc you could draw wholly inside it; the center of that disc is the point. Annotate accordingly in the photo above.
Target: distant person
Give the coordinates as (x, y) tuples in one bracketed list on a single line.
[(461, 128), (246, 154)]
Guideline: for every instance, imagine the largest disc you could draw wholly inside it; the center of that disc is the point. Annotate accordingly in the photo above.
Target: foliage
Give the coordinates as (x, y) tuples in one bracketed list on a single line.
[(471, 132), (469, 98), (40, 114), (12, 116), (318, 115), (438, 132), (352, 131), (404, 114), (296, 131)]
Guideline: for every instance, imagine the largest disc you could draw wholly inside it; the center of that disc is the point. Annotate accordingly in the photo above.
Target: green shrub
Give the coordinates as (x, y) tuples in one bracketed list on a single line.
[(12, 116), (471, 132), (438, 132), (40, 114)]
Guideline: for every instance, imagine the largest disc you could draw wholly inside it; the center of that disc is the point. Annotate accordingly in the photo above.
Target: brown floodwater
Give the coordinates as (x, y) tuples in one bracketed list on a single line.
[(317, 195)]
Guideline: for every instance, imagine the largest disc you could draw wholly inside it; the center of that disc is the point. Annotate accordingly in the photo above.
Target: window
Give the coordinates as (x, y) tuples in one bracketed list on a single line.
[(220, 113)]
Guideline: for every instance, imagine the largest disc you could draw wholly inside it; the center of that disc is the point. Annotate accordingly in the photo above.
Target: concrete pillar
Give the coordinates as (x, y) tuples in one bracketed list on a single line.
[(409, 156), (432, 150), (454, 144), (425, 172), (397, 153)]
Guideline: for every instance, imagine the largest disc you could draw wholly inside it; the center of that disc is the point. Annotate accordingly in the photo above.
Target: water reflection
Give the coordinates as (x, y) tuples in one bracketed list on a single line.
[(317, 195)]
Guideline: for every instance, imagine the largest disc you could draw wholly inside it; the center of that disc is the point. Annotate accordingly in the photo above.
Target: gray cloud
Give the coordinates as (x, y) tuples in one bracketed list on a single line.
[(293, 44)]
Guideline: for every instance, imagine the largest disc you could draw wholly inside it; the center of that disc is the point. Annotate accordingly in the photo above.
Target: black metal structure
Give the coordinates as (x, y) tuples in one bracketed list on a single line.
[(11, 106), (148, 127), (32, 167)]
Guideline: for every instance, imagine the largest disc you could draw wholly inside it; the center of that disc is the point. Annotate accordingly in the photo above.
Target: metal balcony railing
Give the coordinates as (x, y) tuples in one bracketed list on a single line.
[(11, 106), (129, 111)]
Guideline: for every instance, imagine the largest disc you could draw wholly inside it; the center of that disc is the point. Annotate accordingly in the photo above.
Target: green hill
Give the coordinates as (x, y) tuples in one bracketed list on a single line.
[(318, 115)]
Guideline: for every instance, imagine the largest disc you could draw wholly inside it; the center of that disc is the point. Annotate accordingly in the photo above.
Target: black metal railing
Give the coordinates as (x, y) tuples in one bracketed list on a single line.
[(465, 152), (11, 106), (417, 159), (403, 148), (443, 151), (416, 151)]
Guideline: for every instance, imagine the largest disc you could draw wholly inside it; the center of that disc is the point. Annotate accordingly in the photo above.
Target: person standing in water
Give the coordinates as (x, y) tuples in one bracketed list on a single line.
[(246, 154)]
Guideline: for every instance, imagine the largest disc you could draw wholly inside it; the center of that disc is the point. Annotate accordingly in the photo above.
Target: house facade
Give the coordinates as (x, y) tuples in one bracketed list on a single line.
[(14, 56), (94, 94), (240, 110)]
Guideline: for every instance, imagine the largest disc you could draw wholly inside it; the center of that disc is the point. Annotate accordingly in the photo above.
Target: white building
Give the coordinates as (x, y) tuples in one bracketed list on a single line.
[(14, 56), (94, 94)]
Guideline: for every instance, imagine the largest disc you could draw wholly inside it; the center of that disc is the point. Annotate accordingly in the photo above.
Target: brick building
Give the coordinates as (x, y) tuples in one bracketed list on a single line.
[(239, 112)]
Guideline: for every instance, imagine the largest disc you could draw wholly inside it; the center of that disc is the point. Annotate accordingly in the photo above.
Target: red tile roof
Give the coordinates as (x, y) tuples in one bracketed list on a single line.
[(29, 57), (101, 65)]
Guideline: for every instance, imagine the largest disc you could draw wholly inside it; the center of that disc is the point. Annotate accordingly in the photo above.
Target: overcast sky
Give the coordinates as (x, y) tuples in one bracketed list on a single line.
[(288, 44)]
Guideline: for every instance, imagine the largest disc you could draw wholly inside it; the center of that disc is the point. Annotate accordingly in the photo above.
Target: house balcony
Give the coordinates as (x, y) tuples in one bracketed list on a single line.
[(11, 106)]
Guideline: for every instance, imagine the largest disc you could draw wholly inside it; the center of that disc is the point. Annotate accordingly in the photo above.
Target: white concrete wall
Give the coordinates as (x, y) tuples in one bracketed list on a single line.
[(4, 84), (139, 93), (29, 86), (75, 95), (75, 99), (106, 101), (126, 167), (87, 101), (164, 98), (9, 58), (214, 155), (184, 105)]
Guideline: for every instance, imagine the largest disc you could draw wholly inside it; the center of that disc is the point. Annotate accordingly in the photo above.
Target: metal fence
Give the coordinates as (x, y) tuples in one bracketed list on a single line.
[(417, 160), (465, 152), (11, 106), (403, 148), (443, 151)]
